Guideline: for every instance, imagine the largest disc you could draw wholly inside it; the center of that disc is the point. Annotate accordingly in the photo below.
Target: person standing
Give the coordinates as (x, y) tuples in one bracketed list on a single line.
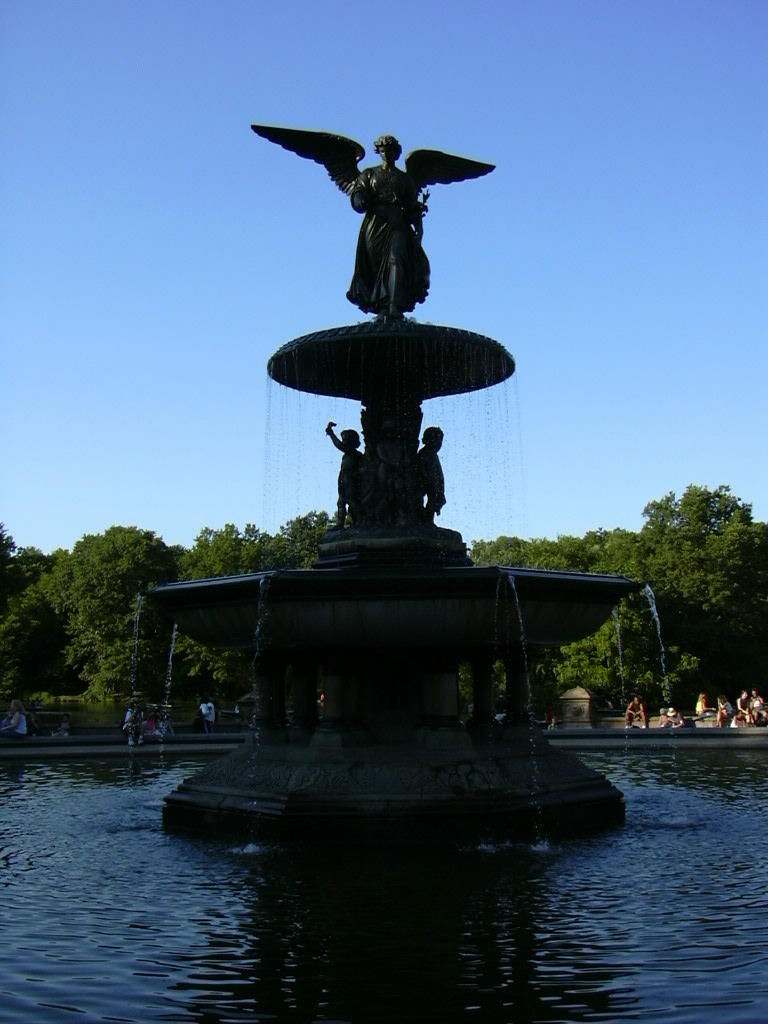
[(133, 723), (208, 714)]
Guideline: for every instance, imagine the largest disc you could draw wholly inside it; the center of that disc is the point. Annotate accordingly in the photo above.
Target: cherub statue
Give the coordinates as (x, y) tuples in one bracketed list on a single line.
[(391, 268), (431, 476), (349, 474)]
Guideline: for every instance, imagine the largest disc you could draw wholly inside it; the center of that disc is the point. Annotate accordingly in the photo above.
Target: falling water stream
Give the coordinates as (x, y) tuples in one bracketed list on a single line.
[(620, 649), (135, 644), (260, 640), (261, 633), (531, 725), (651, 599), (169, 669)]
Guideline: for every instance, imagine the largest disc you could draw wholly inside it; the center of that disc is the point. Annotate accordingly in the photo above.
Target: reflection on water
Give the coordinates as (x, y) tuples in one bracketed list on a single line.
[(107, 917)]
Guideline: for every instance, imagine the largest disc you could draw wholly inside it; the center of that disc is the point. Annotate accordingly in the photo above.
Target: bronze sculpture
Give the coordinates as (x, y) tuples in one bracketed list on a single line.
[(431, 473), (349, 474), (391, 269)]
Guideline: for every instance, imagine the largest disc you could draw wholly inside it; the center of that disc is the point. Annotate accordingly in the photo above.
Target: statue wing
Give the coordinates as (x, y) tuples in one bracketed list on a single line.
[(431, 167), (338, 155)]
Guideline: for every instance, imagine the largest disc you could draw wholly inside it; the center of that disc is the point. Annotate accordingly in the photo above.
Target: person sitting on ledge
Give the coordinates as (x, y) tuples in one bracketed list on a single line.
[(742, 706), (702, 705), (757, 708), (14, 725), (724, 711), (675, 719), (636, 713), (64, 727), (671, 719), (165, 726)]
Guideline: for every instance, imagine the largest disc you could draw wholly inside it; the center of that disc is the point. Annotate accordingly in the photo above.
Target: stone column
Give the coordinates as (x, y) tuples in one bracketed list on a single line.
[(482, 695), (269, 696), (517, 668), (440, 696), (338, 726), (302, 676), (440, 726)]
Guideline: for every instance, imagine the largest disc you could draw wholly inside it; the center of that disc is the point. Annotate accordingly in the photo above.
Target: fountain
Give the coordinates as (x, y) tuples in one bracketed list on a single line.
[(393, 606)]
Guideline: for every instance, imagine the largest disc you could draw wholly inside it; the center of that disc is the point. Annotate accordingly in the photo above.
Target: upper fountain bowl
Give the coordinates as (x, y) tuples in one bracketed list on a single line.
[(391, 357)]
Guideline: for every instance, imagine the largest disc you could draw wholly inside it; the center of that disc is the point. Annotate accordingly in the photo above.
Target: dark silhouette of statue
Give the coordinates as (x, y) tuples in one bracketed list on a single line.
[(349, 474), (431, 473), (391, 268)]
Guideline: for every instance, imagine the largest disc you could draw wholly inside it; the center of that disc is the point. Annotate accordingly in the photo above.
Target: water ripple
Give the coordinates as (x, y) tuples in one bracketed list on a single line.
[(106, 917)]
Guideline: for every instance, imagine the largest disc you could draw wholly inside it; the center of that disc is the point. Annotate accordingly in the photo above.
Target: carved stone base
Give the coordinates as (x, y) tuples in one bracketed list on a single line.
[(514, 784), (391, 545)]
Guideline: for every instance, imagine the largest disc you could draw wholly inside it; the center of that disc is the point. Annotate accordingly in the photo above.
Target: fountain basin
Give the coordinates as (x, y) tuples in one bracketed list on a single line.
[(418, 606), (391, 359), (388, 752)]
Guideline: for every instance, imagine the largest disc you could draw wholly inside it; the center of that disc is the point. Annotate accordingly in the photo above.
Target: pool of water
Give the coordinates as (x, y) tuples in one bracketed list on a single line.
[(105, 916)]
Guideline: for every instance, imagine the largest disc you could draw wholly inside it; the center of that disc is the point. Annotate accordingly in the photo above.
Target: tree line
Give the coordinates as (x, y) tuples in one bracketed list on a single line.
[(67, 619)]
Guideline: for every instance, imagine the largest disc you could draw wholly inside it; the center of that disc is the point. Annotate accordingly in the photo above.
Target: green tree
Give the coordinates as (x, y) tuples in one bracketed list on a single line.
[(32, 644), (226, 552), (296, 545), (604, 661), (230, 551), (97, 589), (32, 636), (7, 549), (707, 562)]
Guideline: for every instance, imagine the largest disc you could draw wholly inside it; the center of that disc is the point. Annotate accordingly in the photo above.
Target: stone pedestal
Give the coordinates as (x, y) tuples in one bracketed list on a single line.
[(577, 708)]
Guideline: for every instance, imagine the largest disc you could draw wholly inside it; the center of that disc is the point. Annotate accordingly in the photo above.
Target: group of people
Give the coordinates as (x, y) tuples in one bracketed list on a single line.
[(20, 721), (750, 709), (637, 715), (139, 722)]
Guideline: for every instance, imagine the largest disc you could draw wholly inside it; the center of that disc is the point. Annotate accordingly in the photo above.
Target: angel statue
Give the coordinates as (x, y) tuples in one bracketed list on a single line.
[(391, 268)]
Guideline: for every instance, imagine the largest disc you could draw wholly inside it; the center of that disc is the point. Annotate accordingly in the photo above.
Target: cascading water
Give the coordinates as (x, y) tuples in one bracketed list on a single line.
[(169, 669), (620, 650), (135, 644), (261, 634), (651, 599), (536, 788), (523, 639), (260, 642)]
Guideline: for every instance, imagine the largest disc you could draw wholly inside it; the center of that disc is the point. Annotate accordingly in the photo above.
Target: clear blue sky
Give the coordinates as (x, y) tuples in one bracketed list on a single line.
[(156, 252)]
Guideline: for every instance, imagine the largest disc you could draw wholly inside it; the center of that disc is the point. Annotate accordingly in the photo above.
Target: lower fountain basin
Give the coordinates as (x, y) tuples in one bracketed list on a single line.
[(387, 750)]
